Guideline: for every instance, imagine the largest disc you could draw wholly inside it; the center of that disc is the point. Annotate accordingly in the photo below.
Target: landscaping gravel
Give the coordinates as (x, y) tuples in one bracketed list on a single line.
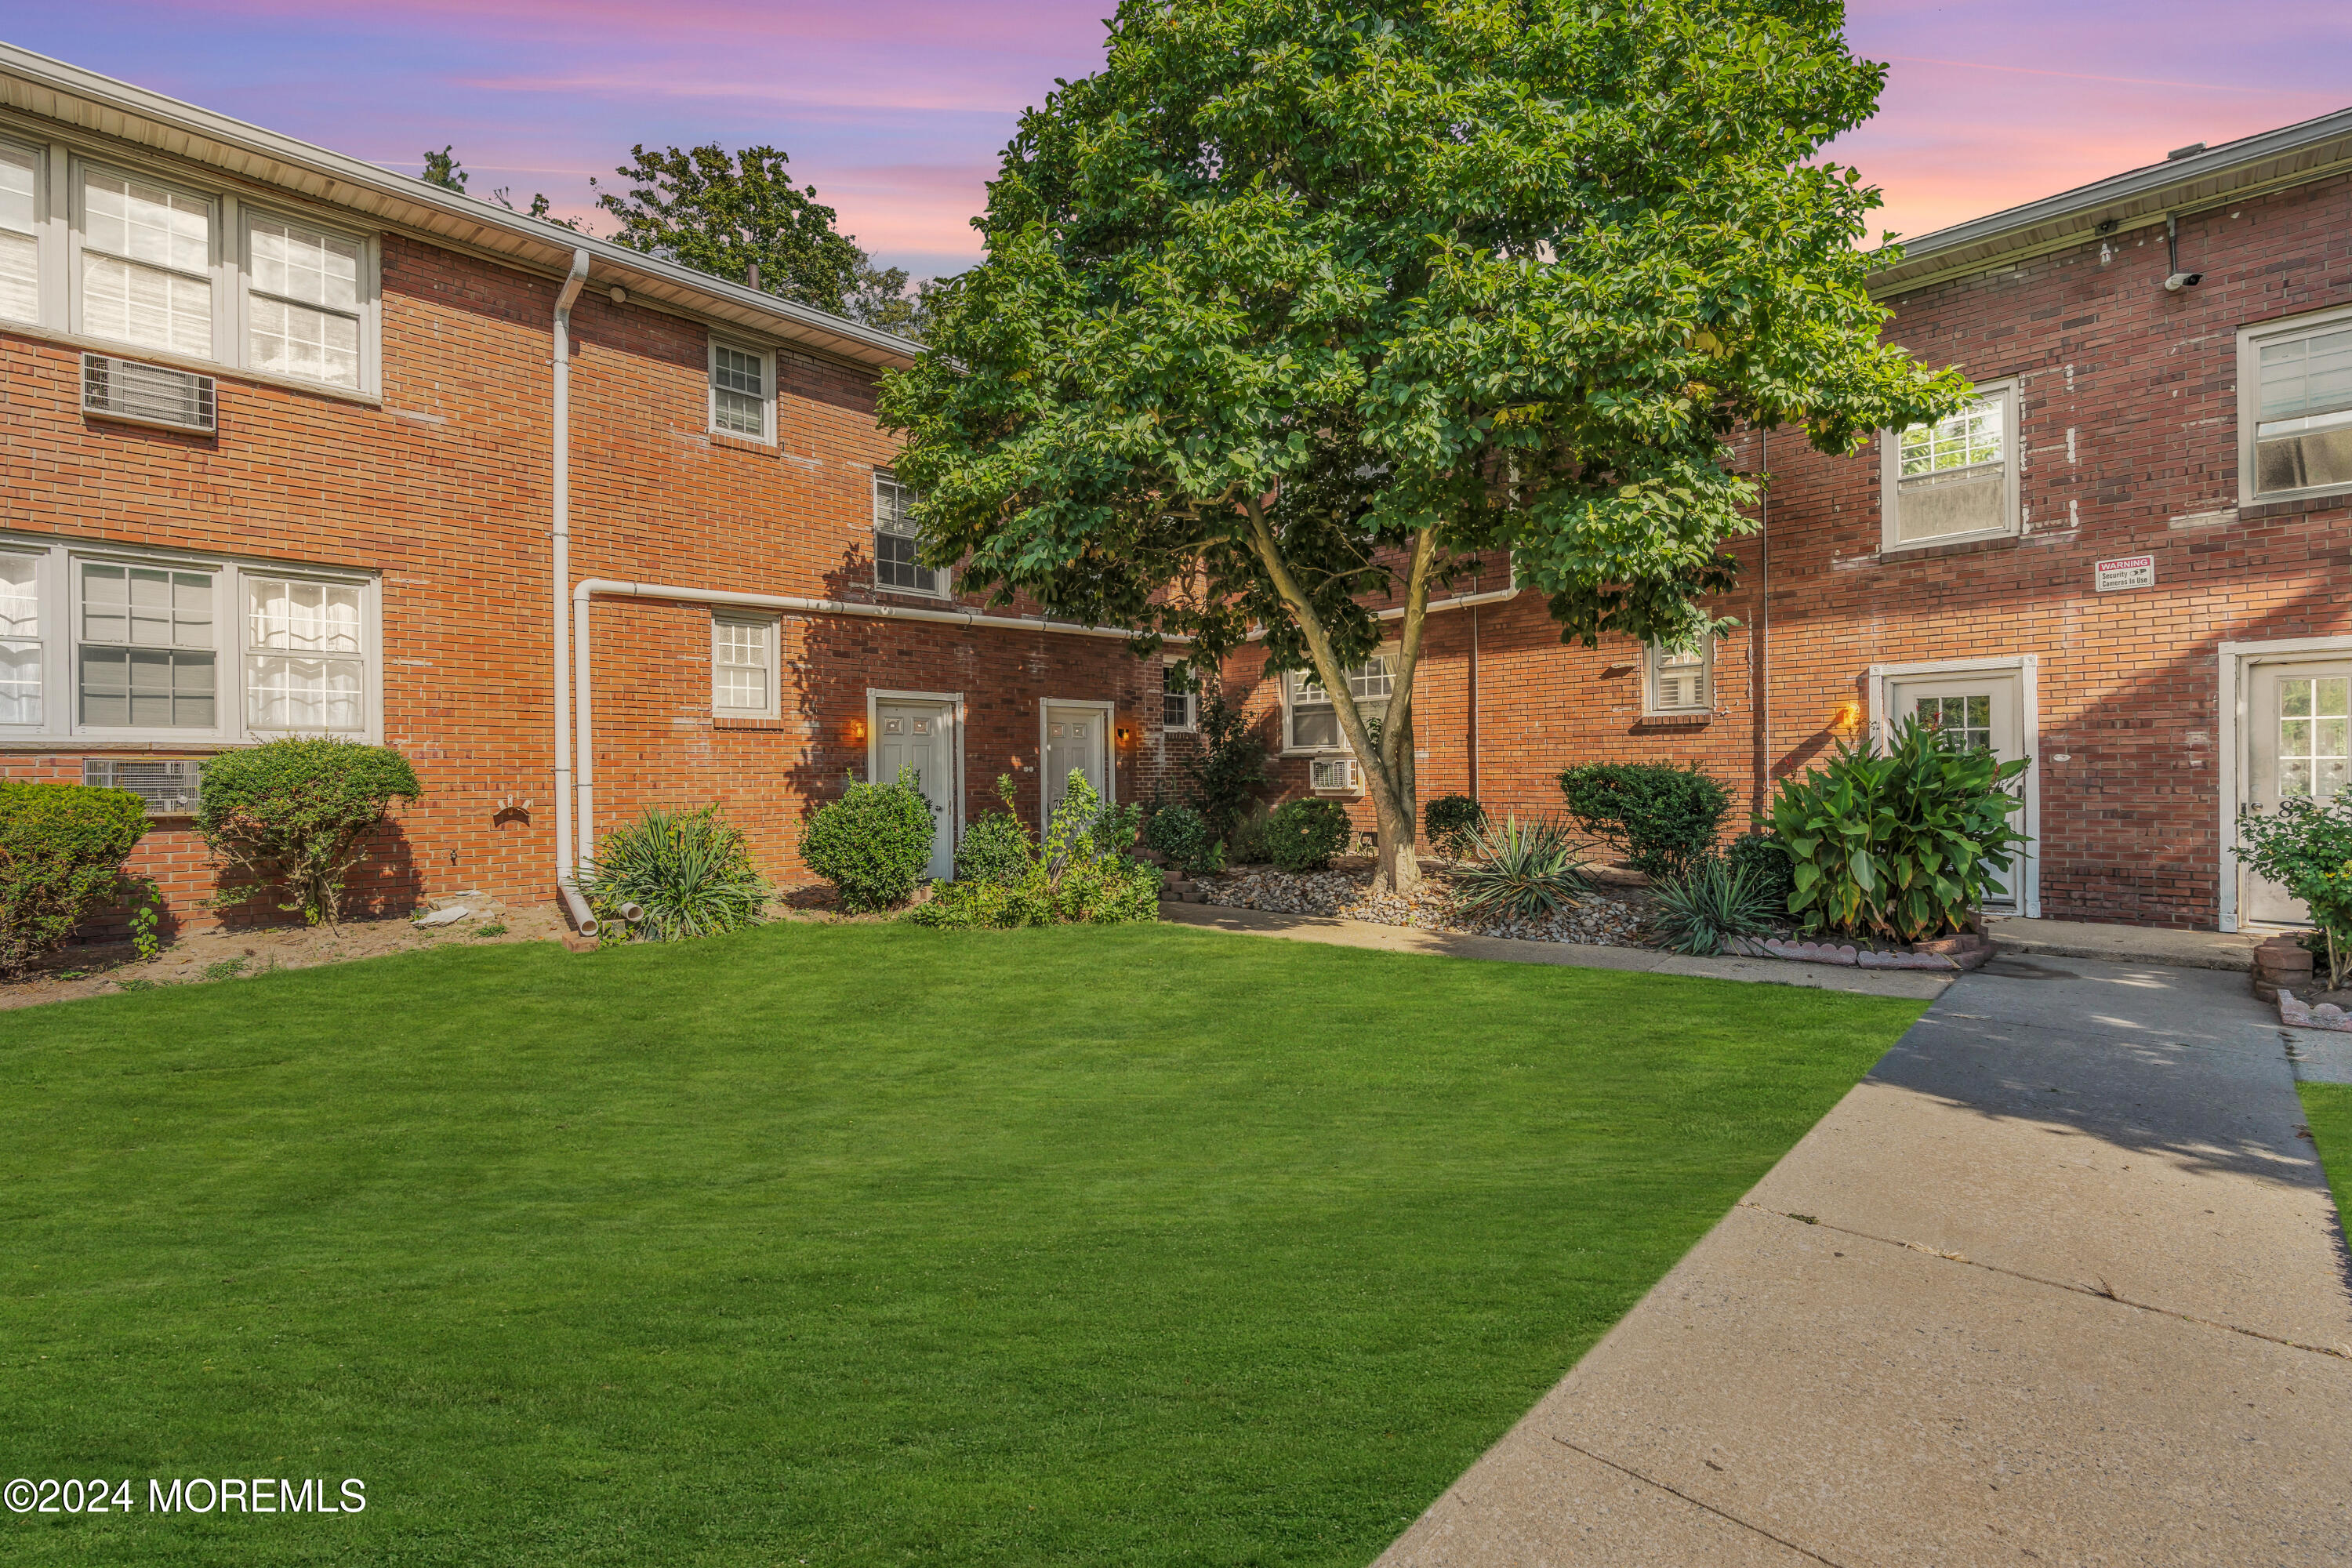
[(1599, 920)]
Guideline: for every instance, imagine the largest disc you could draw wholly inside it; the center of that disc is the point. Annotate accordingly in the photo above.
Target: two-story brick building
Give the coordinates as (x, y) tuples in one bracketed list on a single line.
[(2127, 563), (292, 445)]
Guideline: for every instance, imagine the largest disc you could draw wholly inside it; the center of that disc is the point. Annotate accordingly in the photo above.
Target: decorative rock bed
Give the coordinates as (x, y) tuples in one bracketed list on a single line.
[(1598, 919)]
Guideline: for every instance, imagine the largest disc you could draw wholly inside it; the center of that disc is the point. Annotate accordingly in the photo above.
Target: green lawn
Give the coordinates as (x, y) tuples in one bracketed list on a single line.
[(2328, 1106), (853, 1245)]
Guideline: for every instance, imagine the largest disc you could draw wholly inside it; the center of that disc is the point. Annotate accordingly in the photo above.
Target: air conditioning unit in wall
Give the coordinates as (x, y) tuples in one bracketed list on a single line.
[(147, 393), (166, 788), (1331, 773)]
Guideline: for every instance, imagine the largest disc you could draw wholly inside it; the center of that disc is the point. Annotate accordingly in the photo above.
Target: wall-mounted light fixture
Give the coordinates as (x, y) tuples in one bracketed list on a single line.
[(857, 728)]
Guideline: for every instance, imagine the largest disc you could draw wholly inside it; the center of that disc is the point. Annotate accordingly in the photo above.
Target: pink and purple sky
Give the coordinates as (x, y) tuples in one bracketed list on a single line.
[(895, 109)]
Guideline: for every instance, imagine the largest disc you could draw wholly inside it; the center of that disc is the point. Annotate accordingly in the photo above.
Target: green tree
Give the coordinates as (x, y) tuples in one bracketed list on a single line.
[(1296, 307), (443, 169), (726, 214), (879, 298)]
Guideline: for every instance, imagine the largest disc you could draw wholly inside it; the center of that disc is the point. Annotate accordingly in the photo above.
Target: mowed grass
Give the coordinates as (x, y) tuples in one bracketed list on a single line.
[(853, 1245), (2328, 1108)]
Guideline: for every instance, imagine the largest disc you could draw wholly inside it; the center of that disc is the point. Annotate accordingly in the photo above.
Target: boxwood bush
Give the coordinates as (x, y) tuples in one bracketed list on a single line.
[(874, 844), (1451, 822), (62, 846), (1662, 817), (293, 818), (1302, 835)]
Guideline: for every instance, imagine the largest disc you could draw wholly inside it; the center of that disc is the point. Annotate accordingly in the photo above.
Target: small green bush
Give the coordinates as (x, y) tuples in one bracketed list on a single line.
[(1662, 817), (294, 816), (1302, 835), (1071, 879), (1183, 834), (2306, 848), (996, 849), (1712, 900), (61, 852), (874, 844), (1451, 823), (1246, 844), (1764, 860), (689, 871), (1228, 772), (1521, 872), (1902, 845)]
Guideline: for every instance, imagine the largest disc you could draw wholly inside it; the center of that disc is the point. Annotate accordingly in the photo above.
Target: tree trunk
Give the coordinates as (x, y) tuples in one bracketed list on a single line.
[(1398, 865)]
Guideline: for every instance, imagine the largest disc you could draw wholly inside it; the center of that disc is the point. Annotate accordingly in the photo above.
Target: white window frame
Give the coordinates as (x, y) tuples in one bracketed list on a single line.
[(247, 650), (940, 579), (1294, 681), (1654, 658), (58, 580), (767, 358), (59, 161), (2005, 394), (769, 627), (2251, 341), (44, 638), (1192, 724)]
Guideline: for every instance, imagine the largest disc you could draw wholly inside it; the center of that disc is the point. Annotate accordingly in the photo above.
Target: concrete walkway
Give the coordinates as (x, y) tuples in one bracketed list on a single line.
[(2022, 938), (2059, 1282)]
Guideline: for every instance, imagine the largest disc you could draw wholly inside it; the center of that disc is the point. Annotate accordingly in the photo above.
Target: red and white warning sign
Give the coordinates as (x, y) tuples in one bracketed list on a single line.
[(2124, 571)]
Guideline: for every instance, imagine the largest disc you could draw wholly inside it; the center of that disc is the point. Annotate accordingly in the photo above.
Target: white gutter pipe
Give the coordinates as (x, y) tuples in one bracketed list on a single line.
[(1460, 602), (583, 799), (561, 437)]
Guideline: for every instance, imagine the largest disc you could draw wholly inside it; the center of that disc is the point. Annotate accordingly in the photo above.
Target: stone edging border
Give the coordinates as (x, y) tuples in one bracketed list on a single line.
[(2297, 1014), (1949, 956)]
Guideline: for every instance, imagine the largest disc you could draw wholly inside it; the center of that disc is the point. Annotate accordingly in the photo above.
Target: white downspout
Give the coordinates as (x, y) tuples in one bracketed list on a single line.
[(560, 433)]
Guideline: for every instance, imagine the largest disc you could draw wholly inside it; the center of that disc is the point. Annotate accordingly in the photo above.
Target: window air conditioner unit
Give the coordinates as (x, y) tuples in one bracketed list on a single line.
[(147, 393), (1331, 773), (167, 789)]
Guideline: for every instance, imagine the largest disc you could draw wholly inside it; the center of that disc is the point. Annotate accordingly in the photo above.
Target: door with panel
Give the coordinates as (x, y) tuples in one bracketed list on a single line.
[(1074, 744), (921, 736), (2297, 714), (1977, 711)]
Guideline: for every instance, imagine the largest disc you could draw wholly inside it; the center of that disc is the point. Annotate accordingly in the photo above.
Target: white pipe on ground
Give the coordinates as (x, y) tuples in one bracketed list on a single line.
[(560, 540), (583, 799)]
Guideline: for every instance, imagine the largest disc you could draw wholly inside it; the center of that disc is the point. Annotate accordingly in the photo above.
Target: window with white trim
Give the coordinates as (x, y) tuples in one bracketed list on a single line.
[(20, 638), (897, 565), (303, 298), (146, 263), (1311, 719), (1680, 681), (742, 392), (20, 234), (102, 641), (2294, 411), (743, 666), (1180, 705), (1955, 478)]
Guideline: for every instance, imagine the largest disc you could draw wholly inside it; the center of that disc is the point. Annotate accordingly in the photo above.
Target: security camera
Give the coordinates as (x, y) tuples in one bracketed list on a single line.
[(2179, 280)]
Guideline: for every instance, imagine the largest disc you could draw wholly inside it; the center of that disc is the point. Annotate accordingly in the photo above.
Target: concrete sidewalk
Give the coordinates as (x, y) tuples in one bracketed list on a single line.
[(2059, 1281)]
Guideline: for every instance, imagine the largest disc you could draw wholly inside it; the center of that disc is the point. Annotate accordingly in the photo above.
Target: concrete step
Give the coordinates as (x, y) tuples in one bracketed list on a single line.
[(2123, 943)]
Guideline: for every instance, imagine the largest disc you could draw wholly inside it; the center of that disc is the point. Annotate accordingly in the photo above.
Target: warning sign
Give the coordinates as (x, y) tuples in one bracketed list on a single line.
[(2125, 572)]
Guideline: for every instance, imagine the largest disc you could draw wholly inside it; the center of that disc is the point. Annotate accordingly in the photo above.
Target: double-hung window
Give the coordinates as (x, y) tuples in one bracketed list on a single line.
[(1953, 479), (1180, 705), (146, 263), (742, 392), (1681, 680), (20, 234), (743, 666), (303, 298), (1312, 720), (305, 646), (146, 650), (20, 638), (896, 538), (2295, 415)]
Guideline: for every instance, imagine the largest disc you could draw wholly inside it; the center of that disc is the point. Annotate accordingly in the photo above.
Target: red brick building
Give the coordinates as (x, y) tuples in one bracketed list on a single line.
[(2129, 563), (280, 452)]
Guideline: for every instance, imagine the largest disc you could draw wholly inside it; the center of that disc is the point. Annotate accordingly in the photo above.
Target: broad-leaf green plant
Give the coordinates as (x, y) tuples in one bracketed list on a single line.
[(2306, 848), (1075, 878), (996, 849)]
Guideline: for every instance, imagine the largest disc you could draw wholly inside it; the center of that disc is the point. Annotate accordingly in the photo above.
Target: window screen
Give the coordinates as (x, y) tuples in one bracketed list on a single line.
[(2303, 439), (1315, 722), (146, 273), (20, 251), (1952, 477), (303, 303)]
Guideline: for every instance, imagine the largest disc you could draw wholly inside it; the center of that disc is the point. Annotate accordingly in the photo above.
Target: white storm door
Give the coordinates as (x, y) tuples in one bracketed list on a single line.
[(2296, 716), (1984, 710), (921, 736), (1074, 744)]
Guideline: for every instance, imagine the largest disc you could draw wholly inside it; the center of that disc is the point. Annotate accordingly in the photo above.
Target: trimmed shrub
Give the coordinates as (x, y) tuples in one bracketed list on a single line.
[(1662, 817), (1714, 899), (1764, 860), (874, 844), (61, 852), (690, 871), (996, 849), (1071, 879), (2306, 848), (1246, 844), (1521, 872), (293, 816), (1902, 845), (1302, 835), (1451, 823), (1179, 833), (1228, 772)]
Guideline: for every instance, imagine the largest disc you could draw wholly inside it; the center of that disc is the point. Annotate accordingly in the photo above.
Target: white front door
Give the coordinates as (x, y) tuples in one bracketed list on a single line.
[(1074, 744), (921, 736), (1979, 710), (2296, 717)]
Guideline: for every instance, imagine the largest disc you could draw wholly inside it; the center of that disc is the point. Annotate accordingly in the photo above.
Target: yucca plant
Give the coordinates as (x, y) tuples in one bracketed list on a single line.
[(1712, 900), (1521, 872), (690, 871)]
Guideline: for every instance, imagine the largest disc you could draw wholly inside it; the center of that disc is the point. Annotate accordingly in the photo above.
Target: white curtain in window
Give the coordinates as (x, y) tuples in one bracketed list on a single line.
[(20, 649), (20, 256), (146, 264), (307, 617), (285, 693), (304, 312)]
